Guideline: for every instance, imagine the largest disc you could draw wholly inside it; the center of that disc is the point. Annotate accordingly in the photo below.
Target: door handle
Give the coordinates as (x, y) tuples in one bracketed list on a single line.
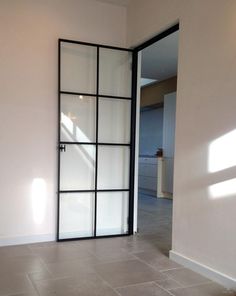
[(62, 148)]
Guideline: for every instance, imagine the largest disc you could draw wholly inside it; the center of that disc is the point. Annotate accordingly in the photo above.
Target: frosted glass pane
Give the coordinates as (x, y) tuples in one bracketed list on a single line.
[(113, 167), (78, 114), (114, 120), (112, 213), (115, 73), (78, 68), (77, 167), (76, 215)]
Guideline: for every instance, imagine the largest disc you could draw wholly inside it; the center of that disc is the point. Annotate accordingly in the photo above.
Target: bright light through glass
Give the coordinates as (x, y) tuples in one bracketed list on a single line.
[(222, 153), (39, 199), (68, 123), (223, 189)]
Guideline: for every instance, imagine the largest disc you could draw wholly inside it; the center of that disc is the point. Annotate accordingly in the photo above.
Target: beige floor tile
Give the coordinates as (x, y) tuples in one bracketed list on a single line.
[(51, 244), (141, 246), (89, 285), (21, 264), (119, 274), (11, 284), (113, 255), (97, 244), (61, 286), (94, 286), (211, 289), (150, 257), (25, 294), (168, 284), (40, 275), (60, 253), (164, 264), (70, 268), (146, 289), (186, 277), (107, 250), (14, 251)]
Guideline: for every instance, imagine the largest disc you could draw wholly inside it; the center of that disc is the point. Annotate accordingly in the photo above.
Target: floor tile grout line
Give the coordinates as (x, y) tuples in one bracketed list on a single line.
[(169, 278), (160, 271), (175, 268), (134, 285), (168, 291), (45, 265), (33, 284), (194, 285), (114, 261), (106, 282), (55, 278)]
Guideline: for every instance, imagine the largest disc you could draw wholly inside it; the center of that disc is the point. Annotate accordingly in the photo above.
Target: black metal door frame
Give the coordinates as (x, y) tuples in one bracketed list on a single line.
[(136, 51), (131, 145), (156, 38)]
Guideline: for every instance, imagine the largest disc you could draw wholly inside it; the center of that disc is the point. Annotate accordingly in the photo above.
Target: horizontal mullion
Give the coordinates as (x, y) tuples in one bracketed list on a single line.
[(92, 237), (76, 191), (94, 143), (95, 45), (98, 190), (114, 144), (115, 97), (112, 190), (78, 143), (77, 93), (94, 95)]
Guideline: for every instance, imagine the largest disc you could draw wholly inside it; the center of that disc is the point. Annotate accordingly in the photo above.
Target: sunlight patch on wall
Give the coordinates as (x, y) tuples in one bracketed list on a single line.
[(222, 153), (39, 199), (223, 189)]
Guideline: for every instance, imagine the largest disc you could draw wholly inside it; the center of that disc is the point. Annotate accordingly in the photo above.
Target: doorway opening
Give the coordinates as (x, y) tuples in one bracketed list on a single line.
[(157, 86)]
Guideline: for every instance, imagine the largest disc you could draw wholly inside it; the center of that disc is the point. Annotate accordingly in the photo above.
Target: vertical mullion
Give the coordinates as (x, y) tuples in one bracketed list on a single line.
[(59, 139), (132, 141), (96, 159)]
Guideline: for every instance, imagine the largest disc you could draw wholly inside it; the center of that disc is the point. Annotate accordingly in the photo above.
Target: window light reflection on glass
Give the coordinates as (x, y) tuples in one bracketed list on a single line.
[(73, 133)]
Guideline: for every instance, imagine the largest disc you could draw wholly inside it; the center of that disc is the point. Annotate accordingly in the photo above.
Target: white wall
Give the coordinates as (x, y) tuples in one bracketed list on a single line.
[(151, 131), (29, 31), (204, 226), (169, 120)]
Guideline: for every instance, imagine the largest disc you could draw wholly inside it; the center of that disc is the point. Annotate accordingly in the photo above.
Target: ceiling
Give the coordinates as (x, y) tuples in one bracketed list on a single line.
[(159, 61), (146, 81)]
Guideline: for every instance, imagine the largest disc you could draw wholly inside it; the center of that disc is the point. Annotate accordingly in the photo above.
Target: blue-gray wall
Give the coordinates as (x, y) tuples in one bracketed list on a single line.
[(151, 131)]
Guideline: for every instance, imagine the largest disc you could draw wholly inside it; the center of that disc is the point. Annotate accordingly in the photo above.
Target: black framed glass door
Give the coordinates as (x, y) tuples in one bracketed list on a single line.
[(96, 140)]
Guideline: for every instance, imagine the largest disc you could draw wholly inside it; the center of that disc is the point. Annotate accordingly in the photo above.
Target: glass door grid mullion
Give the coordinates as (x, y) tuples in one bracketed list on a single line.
[(94, 95), (96, 143), (96, 157)]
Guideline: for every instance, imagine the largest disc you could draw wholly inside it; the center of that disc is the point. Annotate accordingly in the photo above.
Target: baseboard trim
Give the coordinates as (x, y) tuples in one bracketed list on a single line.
[(204, 270), (22, 240)]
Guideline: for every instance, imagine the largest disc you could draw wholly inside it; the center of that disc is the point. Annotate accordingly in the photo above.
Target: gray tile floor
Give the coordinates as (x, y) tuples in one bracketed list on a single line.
[(127, 266)]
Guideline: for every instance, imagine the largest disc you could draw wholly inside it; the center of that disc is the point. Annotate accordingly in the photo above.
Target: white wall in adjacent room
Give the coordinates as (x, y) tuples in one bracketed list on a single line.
[(169, 141)]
